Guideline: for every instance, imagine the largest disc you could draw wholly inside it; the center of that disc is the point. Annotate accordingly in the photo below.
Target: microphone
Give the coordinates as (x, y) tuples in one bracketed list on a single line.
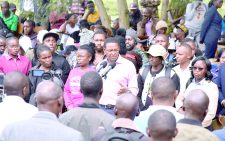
[(58, 72), (58, 80), (111, 66), (101, 66)]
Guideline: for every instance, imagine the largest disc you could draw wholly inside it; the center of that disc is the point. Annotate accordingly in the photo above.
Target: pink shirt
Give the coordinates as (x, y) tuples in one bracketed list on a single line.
[(148, 27), (123, 74), (72, 94), (8, 64)]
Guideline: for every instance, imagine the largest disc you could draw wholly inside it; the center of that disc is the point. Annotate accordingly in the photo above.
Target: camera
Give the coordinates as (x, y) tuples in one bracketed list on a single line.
[(54, 76)]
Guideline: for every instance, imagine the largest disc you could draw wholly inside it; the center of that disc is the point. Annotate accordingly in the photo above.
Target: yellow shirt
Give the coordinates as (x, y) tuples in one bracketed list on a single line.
[(93, 17)]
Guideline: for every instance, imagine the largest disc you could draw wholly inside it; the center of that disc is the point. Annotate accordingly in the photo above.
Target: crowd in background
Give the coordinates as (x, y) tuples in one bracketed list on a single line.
[(78, 80)]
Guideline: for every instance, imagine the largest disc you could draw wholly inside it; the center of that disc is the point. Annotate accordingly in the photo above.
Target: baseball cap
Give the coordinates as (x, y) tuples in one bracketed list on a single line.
[(51, 34), (182, 27), (133, 6), (157, 50)]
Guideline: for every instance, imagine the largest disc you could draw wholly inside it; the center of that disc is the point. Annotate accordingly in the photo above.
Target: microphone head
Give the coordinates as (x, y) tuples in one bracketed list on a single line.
[(103, 64), (58, 72), (113, 65)]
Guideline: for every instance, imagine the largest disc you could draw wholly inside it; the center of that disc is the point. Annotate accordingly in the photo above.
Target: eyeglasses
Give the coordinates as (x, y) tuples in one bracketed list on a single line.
[(197, 68)]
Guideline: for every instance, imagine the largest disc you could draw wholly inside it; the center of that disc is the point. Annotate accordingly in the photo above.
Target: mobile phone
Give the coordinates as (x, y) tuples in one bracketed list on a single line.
[(37, 72)]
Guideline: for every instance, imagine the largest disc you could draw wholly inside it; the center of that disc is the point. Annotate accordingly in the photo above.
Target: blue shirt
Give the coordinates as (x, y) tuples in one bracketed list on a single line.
[(220, 134)]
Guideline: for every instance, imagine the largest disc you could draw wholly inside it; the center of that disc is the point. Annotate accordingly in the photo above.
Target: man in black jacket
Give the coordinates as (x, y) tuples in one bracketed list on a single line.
[(50, 40)]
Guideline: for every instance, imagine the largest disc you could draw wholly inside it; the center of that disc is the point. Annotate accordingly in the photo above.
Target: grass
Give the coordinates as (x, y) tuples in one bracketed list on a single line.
[(111, 7)]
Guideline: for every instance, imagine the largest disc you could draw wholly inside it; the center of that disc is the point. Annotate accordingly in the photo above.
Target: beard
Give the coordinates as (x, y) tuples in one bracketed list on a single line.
[(99, 50), (129, 47)]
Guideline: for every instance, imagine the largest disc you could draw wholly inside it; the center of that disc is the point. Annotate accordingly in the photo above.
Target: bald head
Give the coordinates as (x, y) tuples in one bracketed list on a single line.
[(47, 91), (127, 106), (163, 91), (91, 84), (162, 125), (196, 105), (49, 97), (16, 83)]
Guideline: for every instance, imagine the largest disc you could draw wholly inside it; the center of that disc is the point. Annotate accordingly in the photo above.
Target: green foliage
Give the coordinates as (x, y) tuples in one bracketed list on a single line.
[(27, 15), (178, 7), (44, 10)]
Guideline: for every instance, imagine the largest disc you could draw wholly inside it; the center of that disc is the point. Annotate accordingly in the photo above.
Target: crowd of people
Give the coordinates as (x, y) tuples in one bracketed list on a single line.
[(78, 80)]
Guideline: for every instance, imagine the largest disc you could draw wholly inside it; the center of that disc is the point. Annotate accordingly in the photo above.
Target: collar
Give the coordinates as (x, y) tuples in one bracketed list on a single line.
[(46, 115), (11, 14), (190, 121), (89, 103), (33, 35), (13, 99), (9, 57), (199, 83), (124, 123), (119, 60)]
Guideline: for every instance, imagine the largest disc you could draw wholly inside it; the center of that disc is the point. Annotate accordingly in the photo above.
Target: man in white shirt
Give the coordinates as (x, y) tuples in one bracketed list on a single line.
[(14, 108), (183, 56), (163, 91)]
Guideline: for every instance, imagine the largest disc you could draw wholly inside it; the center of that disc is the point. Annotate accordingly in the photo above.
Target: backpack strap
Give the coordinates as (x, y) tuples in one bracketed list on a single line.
[(168, 71), (145, 73), (134, 135)]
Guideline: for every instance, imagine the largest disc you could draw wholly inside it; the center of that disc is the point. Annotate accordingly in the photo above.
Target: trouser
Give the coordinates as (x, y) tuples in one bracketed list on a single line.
[(210, 49)]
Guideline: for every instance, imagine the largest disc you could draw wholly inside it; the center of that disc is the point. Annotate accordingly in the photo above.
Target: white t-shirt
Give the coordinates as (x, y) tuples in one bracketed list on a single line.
[(70, 30)]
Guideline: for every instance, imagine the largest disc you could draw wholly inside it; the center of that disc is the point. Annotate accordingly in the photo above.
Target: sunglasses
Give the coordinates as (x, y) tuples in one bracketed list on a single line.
[(197, 68)]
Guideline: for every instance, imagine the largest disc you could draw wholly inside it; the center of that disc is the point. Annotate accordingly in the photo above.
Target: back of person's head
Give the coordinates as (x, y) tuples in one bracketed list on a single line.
[(123, 49), (84, 24), (196, 105), (49, 97), (16, 83), (91, 85), (162, 126), (135, 58), (127, 106), (163, 91), (121, 32)]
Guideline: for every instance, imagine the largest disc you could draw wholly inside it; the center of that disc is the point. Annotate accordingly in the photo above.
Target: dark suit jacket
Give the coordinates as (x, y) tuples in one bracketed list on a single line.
[(221, 87), (211, 27)]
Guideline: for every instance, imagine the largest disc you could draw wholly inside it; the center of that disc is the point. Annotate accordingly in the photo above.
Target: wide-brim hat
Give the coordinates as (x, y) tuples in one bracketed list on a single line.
[(156, 51)]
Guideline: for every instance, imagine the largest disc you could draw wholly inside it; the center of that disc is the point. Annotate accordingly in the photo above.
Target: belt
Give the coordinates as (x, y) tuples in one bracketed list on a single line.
[(108, 106)]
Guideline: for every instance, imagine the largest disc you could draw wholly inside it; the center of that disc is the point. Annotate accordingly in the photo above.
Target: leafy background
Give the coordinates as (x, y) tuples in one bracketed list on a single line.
[(111, 6)]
